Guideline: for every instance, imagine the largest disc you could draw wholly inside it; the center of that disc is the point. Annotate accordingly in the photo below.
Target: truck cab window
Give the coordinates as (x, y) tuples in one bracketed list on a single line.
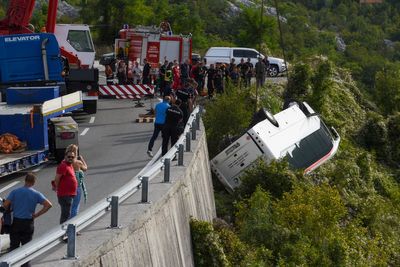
[(80, 40)]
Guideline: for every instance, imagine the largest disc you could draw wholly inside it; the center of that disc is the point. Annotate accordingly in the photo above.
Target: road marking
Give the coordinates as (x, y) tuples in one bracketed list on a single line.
[(8, 186), (92, 119), (85, 131)]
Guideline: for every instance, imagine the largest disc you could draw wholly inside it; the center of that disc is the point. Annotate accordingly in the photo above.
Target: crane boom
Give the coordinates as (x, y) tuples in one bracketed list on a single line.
[(18, 17)]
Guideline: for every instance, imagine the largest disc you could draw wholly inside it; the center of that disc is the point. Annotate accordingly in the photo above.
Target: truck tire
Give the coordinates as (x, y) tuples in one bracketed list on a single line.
[(90, 106), (300, 104), (273, 71), (271, 118)]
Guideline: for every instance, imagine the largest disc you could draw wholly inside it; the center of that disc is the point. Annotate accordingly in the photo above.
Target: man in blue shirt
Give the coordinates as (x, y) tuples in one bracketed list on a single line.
[(160, 113), (22, 202)]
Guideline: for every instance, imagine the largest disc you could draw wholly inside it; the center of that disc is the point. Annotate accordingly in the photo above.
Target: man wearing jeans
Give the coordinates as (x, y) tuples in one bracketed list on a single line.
[(159, 110), (23, 201), (66, 185)]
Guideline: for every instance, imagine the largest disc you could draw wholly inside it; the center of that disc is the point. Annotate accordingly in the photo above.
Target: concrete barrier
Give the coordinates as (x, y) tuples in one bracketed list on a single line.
[(155, 233)]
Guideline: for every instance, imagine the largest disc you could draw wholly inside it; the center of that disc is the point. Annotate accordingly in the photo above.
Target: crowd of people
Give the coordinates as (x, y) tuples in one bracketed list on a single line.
[(173, 76)]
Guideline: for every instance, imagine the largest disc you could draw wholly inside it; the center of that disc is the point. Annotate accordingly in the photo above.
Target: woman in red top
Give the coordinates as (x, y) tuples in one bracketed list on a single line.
[(176, 74), (66, 185)]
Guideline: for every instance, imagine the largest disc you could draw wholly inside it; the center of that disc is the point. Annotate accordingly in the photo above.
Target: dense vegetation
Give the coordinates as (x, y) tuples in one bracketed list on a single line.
[(347, 213)]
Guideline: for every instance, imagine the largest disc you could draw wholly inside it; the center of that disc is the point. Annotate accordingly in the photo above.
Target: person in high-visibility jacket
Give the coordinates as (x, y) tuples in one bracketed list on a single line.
[(168, 80)]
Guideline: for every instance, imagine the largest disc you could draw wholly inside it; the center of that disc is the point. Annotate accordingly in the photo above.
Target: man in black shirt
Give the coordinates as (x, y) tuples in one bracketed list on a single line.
[(185, 95), (249, 73), (174, 115), (210, 81), (185, 71), (219, 78), (163, 70), (146, 72), (243, 68)]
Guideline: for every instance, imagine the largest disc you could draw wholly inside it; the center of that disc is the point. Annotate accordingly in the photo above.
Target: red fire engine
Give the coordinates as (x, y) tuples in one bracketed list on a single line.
[(156, 44)]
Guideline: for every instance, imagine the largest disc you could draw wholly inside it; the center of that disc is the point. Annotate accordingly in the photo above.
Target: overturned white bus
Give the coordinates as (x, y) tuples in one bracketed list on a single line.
[(297, 133)]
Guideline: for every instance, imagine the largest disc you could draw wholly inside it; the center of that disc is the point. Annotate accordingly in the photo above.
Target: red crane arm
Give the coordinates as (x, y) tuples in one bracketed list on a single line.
[(19, 14), (18, 17), (51, 16)]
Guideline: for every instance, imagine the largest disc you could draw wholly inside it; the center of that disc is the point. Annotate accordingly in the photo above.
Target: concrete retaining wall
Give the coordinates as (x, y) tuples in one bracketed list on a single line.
[(154, 234)]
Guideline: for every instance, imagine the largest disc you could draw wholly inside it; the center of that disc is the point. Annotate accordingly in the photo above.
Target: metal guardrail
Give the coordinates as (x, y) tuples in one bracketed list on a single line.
[(42, 244)]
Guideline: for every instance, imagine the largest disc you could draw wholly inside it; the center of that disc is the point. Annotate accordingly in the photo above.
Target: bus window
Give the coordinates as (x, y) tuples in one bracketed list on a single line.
[(311, 149)]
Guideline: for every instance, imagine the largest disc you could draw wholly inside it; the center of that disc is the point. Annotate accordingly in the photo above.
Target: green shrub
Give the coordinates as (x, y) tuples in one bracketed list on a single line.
[(374, 135), (228, 115), (207, 248), (275, 177)]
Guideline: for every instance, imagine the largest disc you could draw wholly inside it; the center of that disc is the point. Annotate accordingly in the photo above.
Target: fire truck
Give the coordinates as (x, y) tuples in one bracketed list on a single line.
[(156, 44), (76, 48)]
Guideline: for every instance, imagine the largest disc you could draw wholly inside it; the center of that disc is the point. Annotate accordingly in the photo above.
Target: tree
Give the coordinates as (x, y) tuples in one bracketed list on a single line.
[(254, 219), (388, 89), (251, 32), (393, 127), (228, 116), (275, 177)]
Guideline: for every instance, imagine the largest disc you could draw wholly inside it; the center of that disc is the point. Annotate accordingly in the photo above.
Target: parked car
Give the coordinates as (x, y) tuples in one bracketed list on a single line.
[(296, 133), (225, 55)]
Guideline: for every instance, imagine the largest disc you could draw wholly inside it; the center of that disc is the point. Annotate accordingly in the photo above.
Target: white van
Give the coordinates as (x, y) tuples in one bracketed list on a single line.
[(225, 54), (296, 133)]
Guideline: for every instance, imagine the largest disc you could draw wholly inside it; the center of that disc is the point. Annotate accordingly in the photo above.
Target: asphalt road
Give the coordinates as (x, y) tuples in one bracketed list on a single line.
[(114, 146)]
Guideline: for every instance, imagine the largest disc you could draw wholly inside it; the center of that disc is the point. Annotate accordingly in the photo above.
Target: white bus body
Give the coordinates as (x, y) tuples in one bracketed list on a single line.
[(301, 137)]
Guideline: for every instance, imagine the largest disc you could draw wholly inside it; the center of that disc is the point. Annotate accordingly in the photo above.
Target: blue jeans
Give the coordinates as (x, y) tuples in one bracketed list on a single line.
[(157, 129), (75, 203)]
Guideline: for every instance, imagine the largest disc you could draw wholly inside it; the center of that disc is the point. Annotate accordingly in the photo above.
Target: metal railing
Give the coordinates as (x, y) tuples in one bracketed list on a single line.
[(55, 236)]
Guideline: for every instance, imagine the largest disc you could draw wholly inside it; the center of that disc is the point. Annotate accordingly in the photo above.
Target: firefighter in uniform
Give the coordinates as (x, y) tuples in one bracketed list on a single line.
[(174, 116)]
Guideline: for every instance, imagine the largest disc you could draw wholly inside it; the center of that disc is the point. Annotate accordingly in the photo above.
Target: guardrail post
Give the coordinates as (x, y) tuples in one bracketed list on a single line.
[(188, 142), (180, 155), (114, 212), (167, 165), (145, 189), (71, 248), (193, 130)]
